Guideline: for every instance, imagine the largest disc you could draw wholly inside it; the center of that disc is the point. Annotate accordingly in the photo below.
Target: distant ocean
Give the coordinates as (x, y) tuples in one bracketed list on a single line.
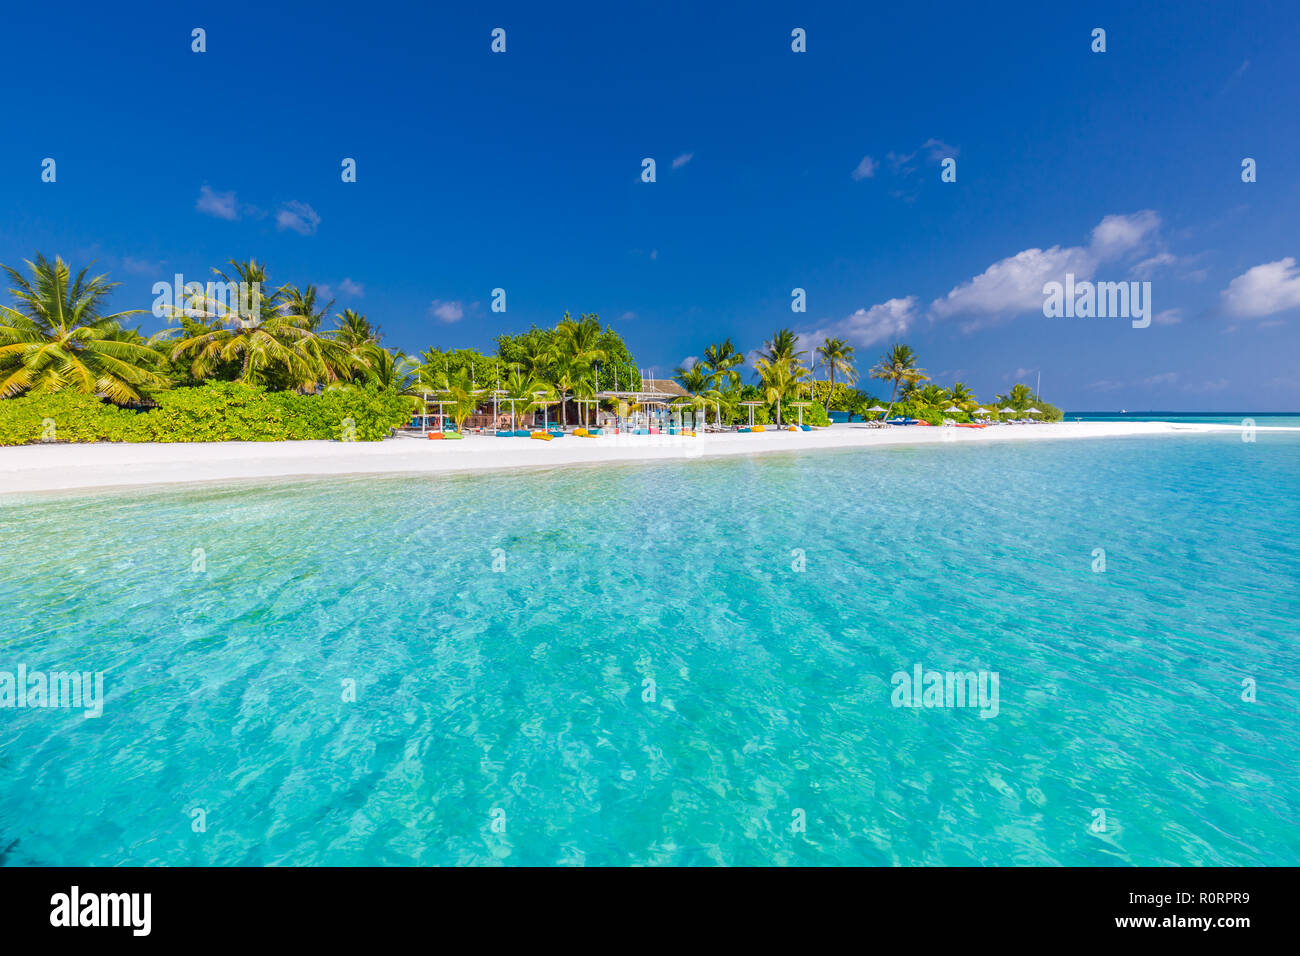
[(1262, 419)]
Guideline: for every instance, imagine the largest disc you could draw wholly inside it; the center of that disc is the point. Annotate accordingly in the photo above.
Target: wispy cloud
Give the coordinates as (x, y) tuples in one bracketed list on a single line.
[(865, 169), (347, 289), (1148, 267), (931, 151), (682, 160), (141, 266), (447, 311), (299, 217), (221, 205)]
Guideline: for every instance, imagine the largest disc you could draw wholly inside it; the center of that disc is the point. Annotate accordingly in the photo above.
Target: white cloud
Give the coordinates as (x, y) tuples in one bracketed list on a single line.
[(351, 290), (654, 254), (865, 169), (1164, 378), (447, 311), (865, 327), (298, 216), (682, 160), (221, 205), (628, 316), (690, 362), (1119, 235), (1145, 268), (1014, 285), (1263, 290), (1168, 317)]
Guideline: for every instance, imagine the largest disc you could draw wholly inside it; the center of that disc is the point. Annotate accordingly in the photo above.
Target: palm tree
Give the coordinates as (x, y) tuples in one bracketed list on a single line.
[(537, 360), (721, 360), (1020, 397), (779, 377), (964, 397), (837, 356), (782, 345), (695, 379), (575, 347), (270, 344), (699, 382), (579, 339), (302, 303), (566, 372), (355, 331), (585, 387), (459, 392), (898, 365), (933, 396), (394, 370), (360, 341), (56, 337), (520, 390)]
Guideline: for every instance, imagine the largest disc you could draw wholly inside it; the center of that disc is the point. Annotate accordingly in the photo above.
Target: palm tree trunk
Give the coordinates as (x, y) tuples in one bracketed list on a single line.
[(891, 401)]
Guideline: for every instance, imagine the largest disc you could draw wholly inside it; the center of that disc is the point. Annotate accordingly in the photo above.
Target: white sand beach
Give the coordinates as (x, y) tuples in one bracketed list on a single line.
[(61, 467)]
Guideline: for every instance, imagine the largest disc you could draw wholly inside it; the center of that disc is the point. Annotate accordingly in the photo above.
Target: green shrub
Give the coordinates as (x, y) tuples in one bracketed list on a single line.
[(217, 411), (814, 414)]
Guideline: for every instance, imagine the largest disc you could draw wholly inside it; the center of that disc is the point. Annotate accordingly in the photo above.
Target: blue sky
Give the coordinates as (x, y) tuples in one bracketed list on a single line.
[(775, 170)]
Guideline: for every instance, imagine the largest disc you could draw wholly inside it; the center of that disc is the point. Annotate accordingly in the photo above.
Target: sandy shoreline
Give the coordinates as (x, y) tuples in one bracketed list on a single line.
[(55, 467)]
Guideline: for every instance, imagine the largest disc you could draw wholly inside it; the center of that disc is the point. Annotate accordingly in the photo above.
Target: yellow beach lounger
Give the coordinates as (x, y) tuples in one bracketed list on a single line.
[(542, 436)]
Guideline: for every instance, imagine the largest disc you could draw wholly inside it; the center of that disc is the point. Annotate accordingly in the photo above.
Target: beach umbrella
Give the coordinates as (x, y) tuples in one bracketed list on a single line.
[(1008, 411), (1033, 411), (953, 408)]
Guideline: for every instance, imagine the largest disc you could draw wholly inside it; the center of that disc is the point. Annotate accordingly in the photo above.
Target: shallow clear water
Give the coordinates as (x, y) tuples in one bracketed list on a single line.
[(522, 691)]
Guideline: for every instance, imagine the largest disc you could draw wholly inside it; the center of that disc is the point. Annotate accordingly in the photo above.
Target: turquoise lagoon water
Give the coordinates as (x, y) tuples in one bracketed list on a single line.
[(521, 693)]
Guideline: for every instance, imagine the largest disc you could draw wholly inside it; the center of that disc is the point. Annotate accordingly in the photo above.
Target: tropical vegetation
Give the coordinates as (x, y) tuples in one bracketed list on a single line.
[(299, 361)]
